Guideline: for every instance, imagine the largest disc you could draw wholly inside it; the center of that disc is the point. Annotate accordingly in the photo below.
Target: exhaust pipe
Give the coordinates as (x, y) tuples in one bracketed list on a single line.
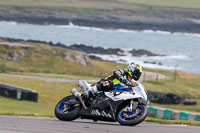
[(76, 93)]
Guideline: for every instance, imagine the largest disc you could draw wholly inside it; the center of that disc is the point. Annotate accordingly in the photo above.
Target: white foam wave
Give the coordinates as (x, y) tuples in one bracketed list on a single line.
[(171, 57), (158, 31), (71, 25), (187, 34), (129, 58), (9, 22), (126, 31), (170, 33)]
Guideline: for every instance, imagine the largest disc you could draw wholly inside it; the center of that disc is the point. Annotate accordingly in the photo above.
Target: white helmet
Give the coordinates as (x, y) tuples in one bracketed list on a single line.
[(134, 70)]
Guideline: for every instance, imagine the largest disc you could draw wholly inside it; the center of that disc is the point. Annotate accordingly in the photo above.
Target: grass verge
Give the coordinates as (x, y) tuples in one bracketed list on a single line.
[(162, 121), (49, 94)]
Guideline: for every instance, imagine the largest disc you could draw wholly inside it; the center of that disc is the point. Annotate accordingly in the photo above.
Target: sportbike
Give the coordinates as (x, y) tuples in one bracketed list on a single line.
[(126, 105)]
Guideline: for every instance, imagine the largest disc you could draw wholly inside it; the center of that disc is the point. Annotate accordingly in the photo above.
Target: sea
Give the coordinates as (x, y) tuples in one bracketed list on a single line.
[(181, 50)]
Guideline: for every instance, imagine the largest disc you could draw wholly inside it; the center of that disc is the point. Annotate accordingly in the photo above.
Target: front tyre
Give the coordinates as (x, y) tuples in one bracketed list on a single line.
[(65, 111), (132, 118)]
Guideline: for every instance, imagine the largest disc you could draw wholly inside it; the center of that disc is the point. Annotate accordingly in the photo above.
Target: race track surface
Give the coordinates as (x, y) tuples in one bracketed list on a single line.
[(20, 124)]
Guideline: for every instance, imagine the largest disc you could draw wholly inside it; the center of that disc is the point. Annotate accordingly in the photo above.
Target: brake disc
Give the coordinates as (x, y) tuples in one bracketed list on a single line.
[(126, 115)]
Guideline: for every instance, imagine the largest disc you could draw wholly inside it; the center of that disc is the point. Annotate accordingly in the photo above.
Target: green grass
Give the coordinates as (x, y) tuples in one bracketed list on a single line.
[(105, 7), (180, 122), (168, 3), (82, 4), (42, 58), (122, 10), (64, 76), (186, 85), (49, 94), (40, 61), (103, 3)]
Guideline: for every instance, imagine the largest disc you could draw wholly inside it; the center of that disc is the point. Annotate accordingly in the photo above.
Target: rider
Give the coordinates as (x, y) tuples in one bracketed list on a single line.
[(133, 71)]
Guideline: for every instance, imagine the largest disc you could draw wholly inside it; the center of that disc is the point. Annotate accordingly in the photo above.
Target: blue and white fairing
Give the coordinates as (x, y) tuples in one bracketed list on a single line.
[(122, 92)]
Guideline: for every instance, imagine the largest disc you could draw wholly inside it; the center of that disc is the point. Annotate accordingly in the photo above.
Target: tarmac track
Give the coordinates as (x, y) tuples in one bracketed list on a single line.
[(20, 124)]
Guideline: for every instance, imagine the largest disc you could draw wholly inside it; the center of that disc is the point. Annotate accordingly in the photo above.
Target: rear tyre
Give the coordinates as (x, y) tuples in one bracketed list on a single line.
[(66, 112), (132, 118)]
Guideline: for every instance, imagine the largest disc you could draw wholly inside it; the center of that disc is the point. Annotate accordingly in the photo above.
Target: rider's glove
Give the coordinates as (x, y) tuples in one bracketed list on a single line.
[(129, 83), (125, 81)]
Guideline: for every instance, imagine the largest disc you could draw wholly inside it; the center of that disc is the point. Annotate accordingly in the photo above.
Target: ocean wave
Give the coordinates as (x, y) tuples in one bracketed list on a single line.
[(170, 33), (10, 22), (128, 59), (187, 34), (158, 31), (71, 25), (171, 57)]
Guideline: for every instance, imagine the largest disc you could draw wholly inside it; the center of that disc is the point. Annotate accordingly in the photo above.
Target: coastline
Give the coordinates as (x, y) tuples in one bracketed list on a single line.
[(160, 62), (172, 27), (116, 55)]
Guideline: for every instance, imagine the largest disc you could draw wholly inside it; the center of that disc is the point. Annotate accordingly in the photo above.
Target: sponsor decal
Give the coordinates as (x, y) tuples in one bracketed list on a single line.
[(100, 113), (117, 98), (114, 93)]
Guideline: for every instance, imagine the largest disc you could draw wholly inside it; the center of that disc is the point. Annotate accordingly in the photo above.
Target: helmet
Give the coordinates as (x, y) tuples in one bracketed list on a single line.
[(134, 70)]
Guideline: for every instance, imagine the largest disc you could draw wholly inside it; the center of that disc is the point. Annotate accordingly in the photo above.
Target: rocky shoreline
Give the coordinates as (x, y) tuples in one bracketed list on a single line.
[(173, 27), (93, 50), (121, 16)]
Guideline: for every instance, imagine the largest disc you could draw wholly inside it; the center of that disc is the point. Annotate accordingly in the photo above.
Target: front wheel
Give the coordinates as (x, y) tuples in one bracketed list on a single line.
[(132, 118), (65, 109)]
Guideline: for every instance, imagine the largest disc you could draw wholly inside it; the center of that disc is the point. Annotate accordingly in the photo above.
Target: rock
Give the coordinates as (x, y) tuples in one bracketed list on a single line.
[(78, 57), (20, 52), (96, 50), (148, 62), (15, 55), (121, 60), (141, 52), (95, 57), (153, 62)]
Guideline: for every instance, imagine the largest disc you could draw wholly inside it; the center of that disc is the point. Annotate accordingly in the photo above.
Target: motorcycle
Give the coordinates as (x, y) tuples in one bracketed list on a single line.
[(123, 104)]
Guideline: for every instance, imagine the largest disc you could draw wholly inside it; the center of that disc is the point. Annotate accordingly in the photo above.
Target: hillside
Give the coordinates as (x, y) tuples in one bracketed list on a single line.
[(167, 15), (51, 92), (44, 60), (36, 57)]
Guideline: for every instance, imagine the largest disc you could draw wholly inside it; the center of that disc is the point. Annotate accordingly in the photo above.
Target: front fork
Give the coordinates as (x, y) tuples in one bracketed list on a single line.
[(131, 107)]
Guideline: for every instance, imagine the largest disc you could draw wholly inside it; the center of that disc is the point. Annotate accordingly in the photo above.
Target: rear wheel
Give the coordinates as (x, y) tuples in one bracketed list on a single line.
[(67, 111), (132, 118)]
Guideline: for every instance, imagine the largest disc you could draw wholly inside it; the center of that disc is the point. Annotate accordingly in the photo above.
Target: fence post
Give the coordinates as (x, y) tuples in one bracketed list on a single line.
[(175, 73), (65, 69), (157, 77), (94, 72)]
